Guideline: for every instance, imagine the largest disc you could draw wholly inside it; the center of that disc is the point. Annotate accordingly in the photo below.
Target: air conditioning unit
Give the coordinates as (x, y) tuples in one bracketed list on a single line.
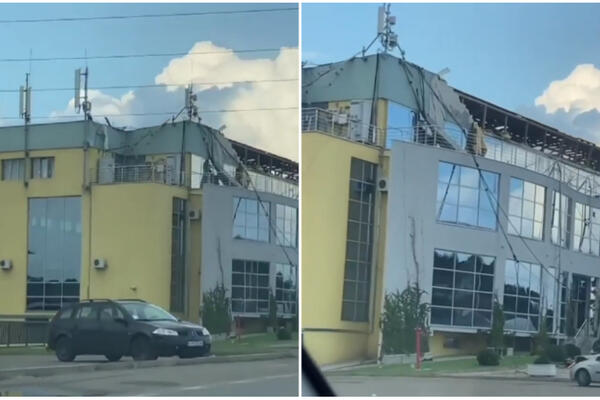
[(341, 118), (5, 264), (100, 263), (194, 214), (382, 185)]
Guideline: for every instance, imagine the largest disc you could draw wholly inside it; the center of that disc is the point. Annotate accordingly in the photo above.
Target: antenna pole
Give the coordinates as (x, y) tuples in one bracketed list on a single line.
[(87, 106), (25, 113)]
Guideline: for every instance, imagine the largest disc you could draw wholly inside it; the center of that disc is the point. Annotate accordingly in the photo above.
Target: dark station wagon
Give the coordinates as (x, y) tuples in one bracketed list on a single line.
[(117, 328)]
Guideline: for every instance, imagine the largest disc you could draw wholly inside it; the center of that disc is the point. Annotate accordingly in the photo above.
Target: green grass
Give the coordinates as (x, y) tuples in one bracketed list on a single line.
[(24, 351), (432, 368), (263, 343)]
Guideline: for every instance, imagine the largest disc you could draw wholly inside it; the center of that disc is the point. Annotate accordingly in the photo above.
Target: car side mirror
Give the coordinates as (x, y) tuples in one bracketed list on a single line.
[(121, 320)]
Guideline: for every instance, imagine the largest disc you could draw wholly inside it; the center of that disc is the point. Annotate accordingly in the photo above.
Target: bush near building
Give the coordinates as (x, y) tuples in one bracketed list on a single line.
[(488, 357), (555, 353), (216, 315), (403, 312), (572, 350)]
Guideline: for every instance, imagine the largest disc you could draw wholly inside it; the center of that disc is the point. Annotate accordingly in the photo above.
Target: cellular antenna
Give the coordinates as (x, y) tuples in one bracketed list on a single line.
[(385, 22), (86, 105), (190, 103)]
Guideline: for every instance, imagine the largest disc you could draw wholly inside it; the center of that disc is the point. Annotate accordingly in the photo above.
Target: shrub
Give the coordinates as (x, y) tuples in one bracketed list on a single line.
[(403, 312), (488, 357), (555, 353), (283, 333), (543, 359), (571, 350), (216, 316)]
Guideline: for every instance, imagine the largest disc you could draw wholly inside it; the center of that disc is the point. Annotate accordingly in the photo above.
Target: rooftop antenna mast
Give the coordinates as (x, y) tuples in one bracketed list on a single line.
[(25, 113), (84, 105), (385, 22), (190, 103)]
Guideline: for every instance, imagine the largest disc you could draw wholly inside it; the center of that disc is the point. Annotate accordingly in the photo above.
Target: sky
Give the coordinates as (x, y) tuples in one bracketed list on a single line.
[(540, 60), (272, 130)]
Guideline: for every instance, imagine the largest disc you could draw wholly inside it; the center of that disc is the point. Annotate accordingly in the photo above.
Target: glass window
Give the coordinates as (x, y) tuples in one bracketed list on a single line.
[(197, 171), (455, 133), (54, 259), (462, 197), (285, 288), (462, 289), (250, 219), (13, 170), (561, 220), (522, 289), (42, 167), (250, 287), (526, 209), (359, 243), (400, 124), (178, 239), (287, 224), (586, 232)]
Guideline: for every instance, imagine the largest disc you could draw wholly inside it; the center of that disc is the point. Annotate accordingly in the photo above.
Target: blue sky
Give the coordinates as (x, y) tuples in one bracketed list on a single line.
[(152, 35), (505, 53)]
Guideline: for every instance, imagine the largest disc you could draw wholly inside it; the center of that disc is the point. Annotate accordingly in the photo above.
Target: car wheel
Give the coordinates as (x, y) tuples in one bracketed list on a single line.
[(113, 357), (583, 377), (64, 350), (141, 349)]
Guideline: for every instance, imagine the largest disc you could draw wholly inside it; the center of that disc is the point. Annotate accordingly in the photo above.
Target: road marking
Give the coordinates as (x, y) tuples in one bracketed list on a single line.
[(201, 387)]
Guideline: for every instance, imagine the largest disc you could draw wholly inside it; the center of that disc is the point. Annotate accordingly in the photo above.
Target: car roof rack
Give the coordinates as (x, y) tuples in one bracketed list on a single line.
[(93, 300), (140, 300)]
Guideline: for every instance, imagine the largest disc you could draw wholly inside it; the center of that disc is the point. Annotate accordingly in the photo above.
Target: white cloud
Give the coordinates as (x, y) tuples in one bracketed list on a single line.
[(579, 92), (275, 131), (102, 104), (572, 104)]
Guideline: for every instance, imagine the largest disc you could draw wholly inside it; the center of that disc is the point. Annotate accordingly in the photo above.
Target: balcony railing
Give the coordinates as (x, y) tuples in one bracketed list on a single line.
[(260, 182), (578, 178), (339, 125), (172, 176), (140, 174)]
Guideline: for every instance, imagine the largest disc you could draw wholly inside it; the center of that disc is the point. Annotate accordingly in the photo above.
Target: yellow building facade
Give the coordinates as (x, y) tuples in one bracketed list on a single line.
[(92, 212)]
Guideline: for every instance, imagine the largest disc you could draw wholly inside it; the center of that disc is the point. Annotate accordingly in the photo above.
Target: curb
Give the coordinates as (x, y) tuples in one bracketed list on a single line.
[(504, 378), (61, 369)]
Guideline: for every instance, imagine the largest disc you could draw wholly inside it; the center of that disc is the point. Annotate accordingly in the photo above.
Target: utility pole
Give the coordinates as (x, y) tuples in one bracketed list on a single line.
[(25, 113)]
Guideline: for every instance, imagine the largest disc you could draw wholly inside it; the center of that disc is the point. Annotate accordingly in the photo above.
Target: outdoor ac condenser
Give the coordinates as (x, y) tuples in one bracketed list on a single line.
[(5, 264), (100, 263)]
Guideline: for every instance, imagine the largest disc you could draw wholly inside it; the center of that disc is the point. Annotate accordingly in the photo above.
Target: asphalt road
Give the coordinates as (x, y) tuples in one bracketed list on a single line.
[(254, 378), (421, 386)]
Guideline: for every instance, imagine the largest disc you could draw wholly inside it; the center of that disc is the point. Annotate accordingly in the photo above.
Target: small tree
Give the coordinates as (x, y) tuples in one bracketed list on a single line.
[(216, 313), (403, 313), (541, 341), (497, 331)]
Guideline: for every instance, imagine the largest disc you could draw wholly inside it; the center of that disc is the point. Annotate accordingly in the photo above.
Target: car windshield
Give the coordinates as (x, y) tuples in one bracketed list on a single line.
[(147, 312)]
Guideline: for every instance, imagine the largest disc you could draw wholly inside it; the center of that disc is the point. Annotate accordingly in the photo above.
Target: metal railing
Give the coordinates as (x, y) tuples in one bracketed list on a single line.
[(171, 176), (450, 136), (260, 182), (340, 125), (139, 174), (23, 332)]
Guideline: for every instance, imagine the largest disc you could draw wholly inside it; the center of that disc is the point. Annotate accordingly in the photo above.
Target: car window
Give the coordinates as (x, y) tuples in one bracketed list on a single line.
[(148, 312), (106, 312), (597, 358), (65, 313), (118, 313), (87, 311)]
